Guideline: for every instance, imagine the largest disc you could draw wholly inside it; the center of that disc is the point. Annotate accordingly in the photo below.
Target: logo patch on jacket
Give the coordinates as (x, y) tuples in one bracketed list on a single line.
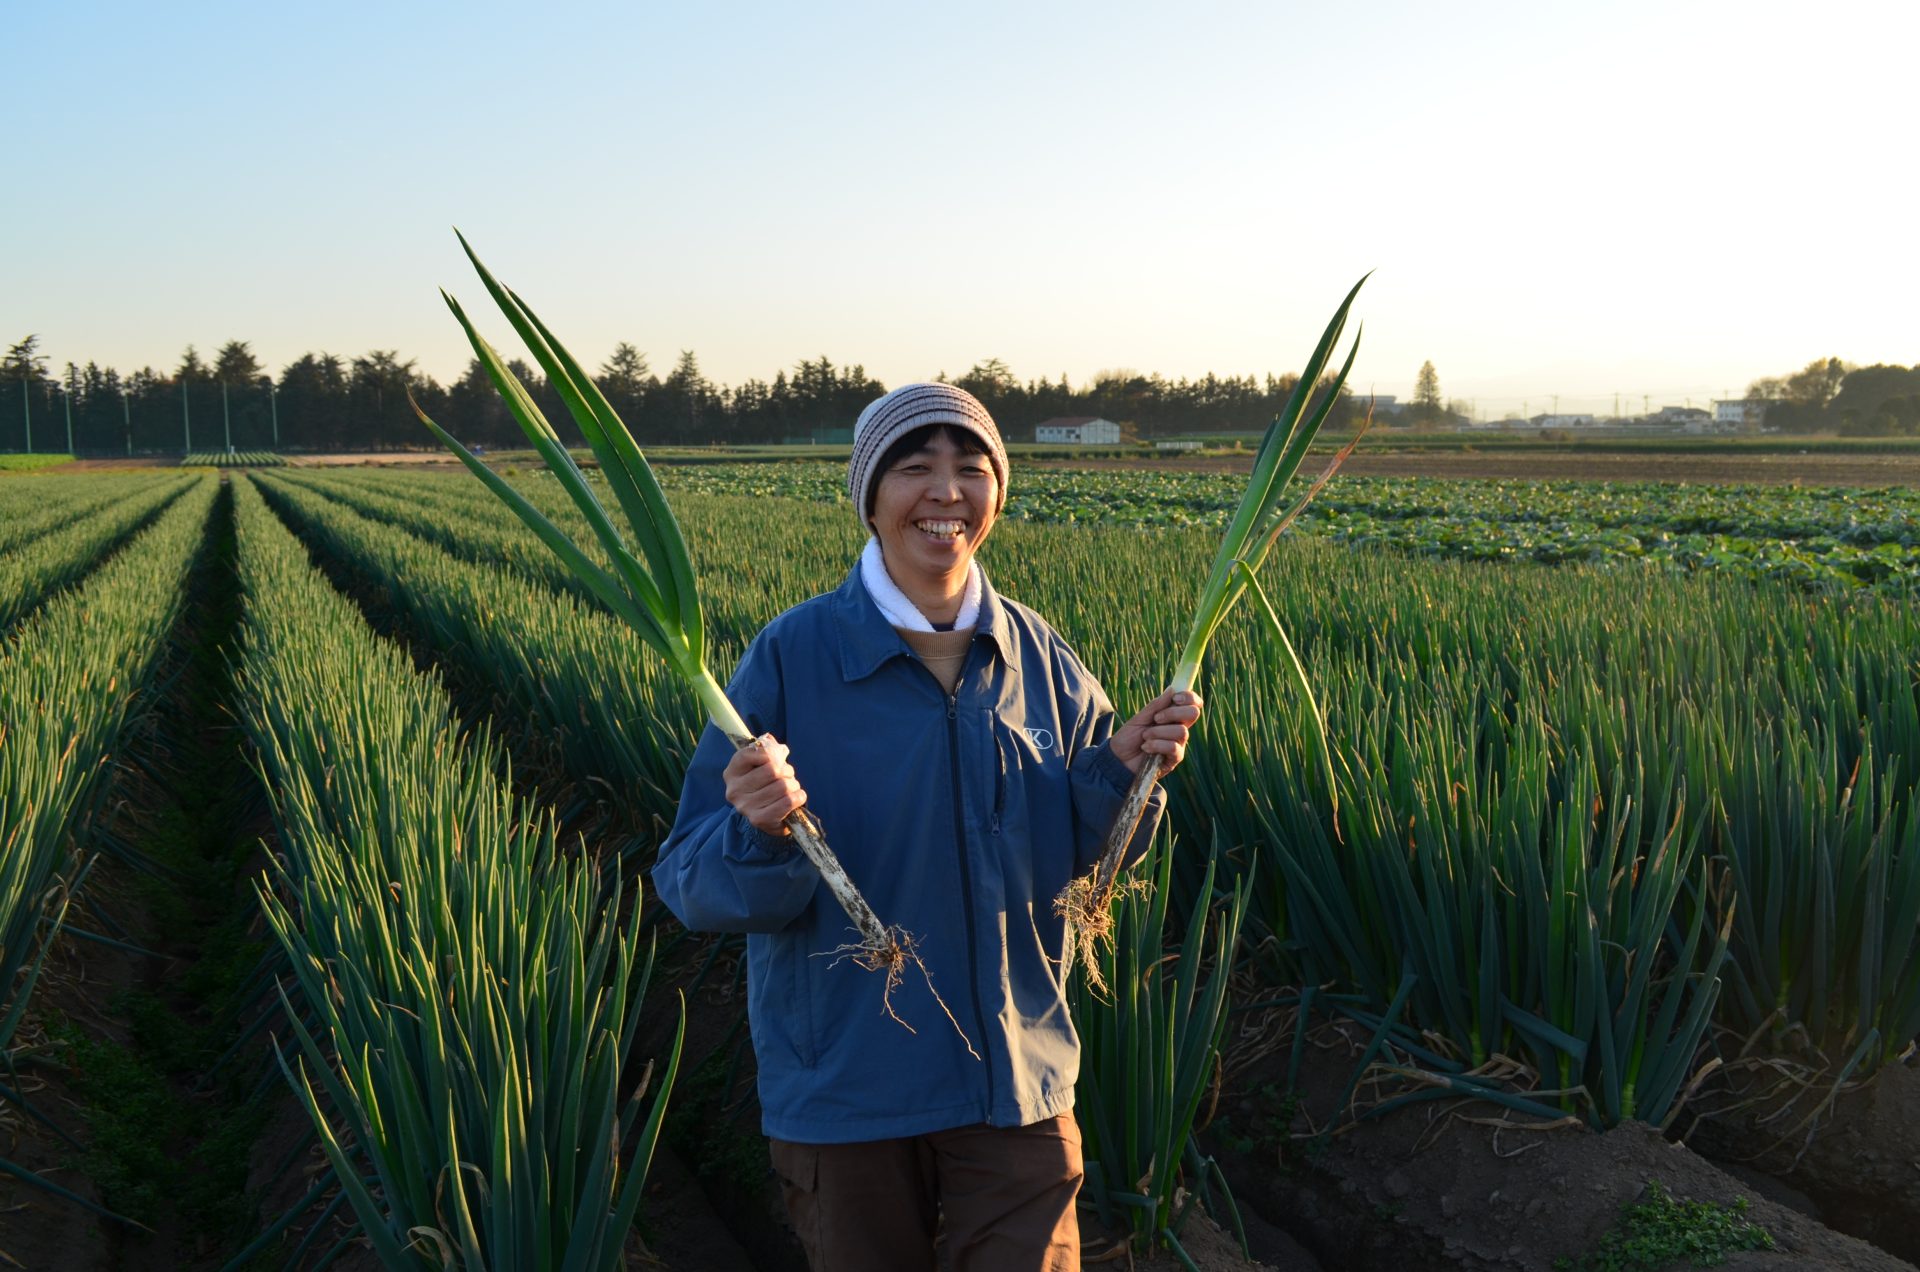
[(1042, 739)]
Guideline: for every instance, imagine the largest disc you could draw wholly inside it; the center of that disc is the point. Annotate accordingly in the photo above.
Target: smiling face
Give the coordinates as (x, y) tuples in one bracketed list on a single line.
[(932, 508)]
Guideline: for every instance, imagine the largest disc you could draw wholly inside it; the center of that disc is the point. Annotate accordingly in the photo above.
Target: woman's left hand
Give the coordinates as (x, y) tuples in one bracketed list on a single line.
[(1159, 729)]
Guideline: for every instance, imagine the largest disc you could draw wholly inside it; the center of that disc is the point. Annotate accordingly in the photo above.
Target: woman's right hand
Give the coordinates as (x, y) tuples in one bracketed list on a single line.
[(761, 785)]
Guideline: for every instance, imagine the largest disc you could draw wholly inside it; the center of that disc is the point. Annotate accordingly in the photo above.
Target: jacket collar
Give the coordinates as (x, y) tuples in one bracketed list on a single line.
[(867, 640)]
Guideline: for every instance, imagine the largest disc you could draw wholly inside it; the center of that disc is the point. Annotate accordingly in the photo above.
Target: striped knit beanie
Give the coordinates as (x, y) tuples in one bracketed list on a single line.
[(891, 417)]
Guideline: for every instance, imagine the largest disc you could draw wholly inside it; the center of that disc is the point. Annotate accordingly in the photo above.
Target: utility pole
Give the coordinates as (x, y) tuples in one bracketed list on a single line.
[(1645, 409), (66, 400), (126, 415), (186, 415), (1616, 404), (273, 402)]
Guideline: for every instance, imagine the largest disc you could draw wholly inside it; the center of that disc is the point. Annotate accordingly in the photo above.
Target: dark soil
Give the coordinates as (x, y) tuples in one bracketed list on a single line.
[(38, 1229), (1206, 1243), (1464, 1185), (1548, 464), (1856, 1158)]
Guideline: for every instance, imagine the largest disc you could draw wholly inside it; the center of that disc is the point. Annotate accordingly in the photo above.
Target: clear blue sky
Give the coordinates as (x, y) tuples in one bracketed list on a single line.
[(1667, 199)]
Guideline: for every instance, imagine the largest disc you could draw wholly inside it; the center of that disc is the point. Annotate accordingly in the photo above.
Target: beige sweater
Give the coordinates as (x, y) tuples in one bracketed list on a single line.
[(944, 653)]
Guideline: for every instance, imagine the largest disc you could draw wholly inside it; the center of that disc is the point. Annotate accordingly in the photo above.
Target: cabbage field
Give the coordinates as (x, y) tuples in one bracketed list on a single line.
[(1824, 539), (1627, 836)]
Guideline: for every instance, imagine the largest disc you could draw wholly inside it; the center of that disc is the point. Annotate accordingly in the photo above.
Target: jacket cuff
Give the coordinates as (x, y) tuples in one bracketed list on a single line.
[(756, 844), (1106, 766)]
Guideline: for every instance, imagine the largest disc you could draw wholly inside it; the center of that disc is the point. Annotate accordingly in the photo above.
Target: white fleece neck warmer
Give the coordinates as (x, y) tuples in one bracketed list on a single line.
[(900, 611)]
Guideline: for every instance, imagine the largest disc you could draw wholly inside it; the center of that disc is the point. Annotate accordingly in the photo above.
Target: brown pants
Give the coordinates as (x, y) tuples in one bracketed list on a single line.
[(1006, 1194)]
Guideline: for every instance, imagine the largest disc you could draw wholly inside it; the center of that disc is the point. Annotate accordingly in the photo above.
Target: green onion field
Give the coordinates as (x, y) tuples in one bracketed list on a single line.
[(1627, 838)]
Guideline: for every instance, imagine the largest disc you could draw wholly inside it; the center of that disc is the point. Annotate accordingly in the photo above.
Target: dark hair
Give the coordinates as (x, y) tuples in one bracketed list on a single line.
[(964, 440)]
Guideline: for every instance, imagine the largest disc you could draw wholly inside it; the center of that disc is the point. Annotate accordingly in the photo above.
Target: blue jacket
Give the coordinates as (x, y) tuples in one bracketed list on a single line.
[(959, 819)]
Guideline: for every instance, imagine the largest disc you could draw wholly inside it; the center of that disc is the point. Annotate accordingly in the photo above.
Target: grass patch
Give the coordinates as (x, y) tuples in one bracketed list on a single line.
[(1268, 1127), (31, 464), (1660, 1230), (141, 1127), (704, 1127)]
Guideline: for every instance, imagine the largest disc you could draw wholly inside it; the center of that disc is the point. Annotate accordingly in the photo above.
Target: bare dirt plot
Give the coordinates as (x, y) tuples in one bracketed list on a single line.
[(347, 459), (1551, 465)]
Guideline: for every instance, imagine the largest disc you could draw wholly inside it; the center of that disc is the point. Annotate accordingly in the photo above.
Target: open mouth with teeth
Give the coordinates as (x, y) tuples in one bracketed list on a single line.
[(941, 531)]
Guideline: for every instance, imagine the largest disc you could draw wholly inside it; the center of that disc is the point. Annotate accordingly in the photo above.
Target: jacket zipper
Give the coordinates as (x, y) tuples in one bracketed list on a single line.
[(999, 779), (966, 889)]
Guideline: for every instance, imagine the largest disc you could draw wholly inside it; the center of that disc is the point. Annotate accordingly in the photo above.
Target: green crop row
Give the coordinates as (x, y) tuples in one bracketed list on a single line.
[(30, 509), (232, 459), (71, 679), (36, 570), (476, 989), (447, 514), (602, 706)]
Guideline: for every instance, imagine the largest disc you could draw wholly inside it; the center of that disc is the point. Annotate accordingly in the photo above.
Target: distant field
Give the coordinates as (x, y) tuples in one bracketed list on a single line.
[(1813, 462), (1549, 463), (29, 463), (1818, 461), (1825, 538), (1536, 440)]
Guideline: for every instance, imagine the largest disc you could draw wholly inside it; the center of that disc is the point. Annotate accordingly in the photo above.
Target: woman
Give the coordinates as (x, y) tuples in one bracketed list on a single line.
[(965, 767)]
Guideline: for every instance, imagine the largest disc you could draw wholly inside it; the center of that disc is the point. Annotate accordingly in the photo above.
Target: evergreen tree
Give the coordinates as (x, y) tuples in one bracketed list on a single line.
[(686, 399), (313, 403), (1427, 404), (624, 378), (235, 364), (25, 366)]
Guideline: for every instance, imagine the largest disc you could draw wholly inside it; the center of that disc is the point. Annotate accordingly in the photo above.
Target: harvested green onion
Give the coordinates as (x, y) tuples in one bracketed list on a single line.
[(658, 597), (1256, 525)]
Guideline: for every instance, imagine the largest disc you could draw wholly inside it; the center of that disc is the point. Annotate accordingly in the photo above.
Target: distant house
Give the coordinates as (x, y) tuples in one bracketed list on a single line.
[(1688, 419), (1565, 421), (1739, 412), (1078, 430)]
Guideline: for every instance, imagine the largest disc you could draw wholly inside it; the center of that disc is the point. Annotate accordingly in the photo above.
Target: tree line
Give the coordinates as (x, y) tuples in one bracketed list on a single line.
[(322, 402), (1828, 395), (329, 402)]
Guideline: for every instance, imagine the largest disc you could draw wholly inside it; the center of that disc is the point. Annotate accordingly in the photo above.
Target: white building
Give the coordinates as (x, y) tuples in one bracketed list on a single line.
[(1688, 419), (1739, 412), (1078, 430)]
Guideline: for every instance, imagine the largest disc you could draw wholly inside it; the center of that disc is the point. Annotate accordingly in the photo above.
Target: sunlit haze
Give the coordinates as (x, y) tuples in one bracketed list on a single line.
[(1663, 201)]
